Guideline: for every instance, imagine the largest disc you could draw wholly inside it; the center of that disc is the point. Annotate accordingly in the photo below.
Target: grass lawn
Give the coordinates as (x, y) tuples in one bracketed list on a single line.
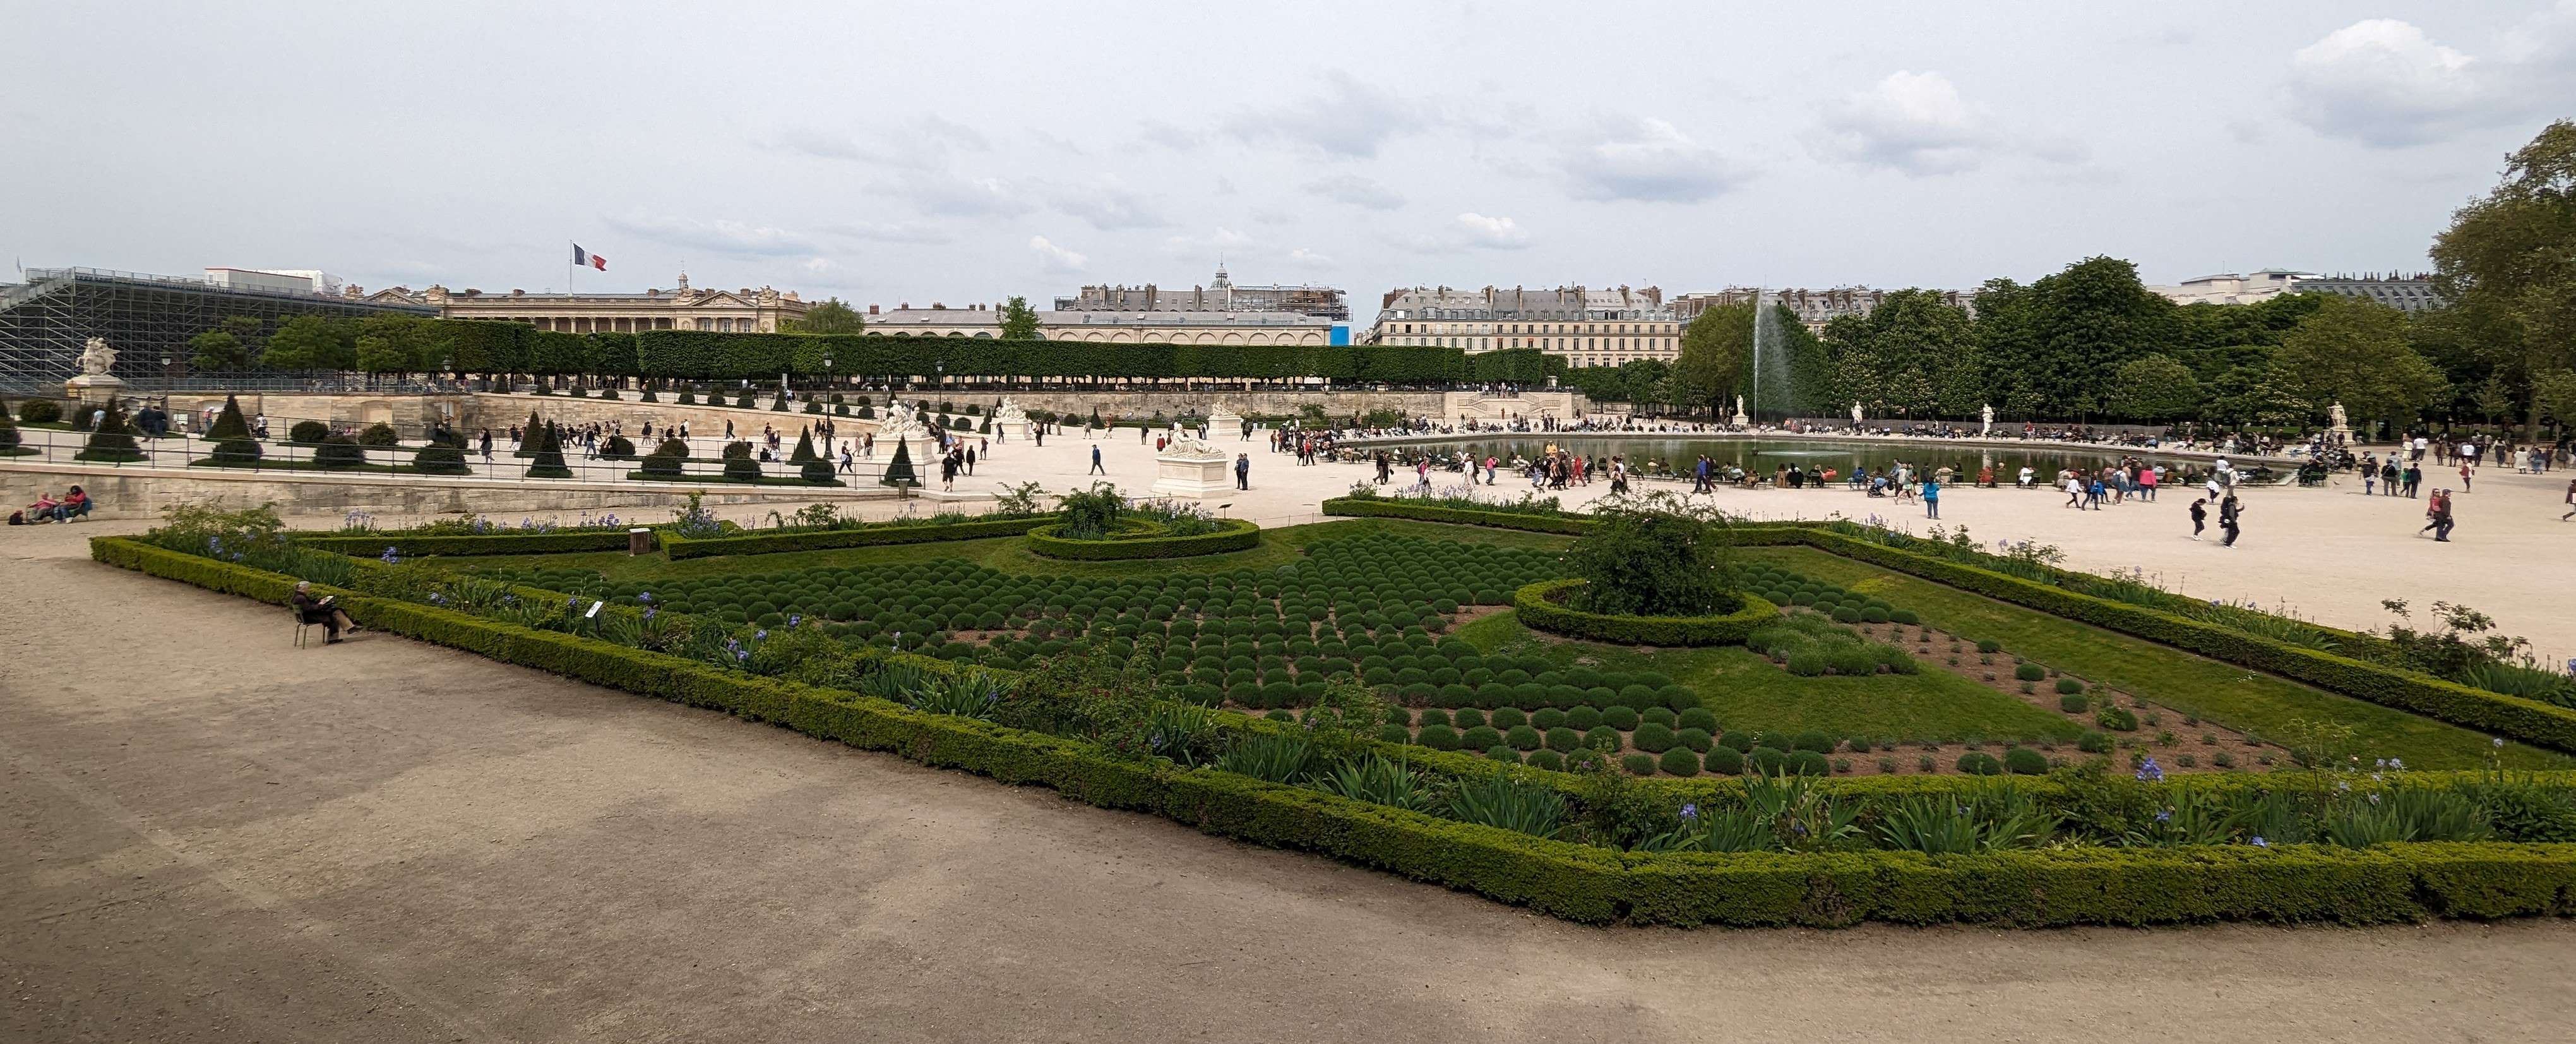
[(2222, 693), (1748, 692)]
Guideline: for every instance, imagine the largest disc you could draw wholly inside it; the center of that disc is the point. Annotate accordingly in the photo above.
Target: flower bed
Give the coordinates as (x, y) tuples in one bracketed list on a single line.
[(863, 536), (2390, 882), (1542, 607), (1232, 534)]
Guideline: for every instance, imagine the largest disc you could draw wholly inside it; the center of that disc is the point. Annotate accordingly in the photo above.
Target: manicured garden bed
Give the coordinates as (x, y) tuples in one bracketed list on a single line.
[(1543, 606), (767, 543), (1146, 541)]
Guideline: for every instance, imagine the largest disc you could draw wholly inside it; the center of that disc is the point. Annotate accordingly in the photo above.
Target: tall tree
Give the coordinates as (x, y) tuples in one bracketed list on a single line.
[(2091, 318), (219, 351), (2154, 388), (830, 316), (310, 342), (2508, 261), (2355, 351), (2008, 346), (1913, 355), (1716, 347), (1019, 323)]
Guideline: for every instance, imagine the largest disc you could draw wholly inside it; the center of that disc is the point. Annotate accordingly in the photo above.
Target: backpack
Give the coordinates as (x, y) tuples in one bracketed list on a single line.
[(17, 518)]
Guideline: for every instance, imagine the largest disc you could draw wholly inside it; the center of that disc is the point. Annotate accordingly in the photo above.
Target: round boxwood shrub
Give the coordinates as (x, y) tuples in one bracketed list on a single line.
[(1522, 737), (1695, 739), (1989, 646), (1652, 738), (1583, 719), (338, 453), (1503, 753), (1813, 741), (2116, 719), (1479, 738), (1562, 739), (379, 434), (2023, 761), (2094, 743), (40, 411), (1657, 716), (1810, 763), (1768, 761), (1602, 738), (1438, 737), (1546, 759), (1547, 718), (2069, 686), (1507, 718), (1979, 763), (2073, 703), (1679, 762), (1394, 734), (1620, 718), (1700, 718), (1468, 718), (1435, 716), (1740, 740), (307, 433), (2030, 672), (1638, 764), (1726, 761)]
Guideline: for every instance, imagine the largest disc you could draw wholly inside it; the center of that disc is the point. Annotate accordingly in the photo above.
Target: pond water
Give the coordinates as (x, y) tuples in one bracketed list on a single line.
[(1764, 456)]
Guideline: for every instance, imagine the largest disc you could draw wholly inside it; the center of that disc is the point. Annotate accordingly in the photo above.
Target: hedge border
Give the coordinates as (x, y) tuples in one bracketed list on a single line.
[(2394, 883), (1233, 534), (1540, 607), (680, 547), (2512, 717), (467, 544), (1375, 507)]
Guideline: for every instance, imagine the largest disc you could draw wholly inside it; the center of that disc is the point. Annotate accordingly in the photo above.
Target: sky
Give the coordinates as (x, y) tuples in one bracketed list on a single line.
[(896, 153)]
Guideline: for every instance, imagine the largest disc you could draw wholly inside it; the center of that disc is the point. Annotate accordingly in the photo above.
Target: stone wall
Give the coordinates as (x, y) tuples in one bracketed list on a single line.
[(132, 492), (409, 414)]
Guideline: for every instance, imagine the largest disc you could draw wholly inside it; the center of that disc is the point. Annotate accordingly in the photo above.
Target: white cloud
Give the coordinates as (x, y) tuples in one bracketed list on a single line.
[(1056, 259), (1912, 122), (1307, 258), (1107, 204), (924, 143), (1648, 160), (1355, 190), (1470, 230), (2386, 84), (722, 236), (912, 232), (1349, 119), (953, 196)]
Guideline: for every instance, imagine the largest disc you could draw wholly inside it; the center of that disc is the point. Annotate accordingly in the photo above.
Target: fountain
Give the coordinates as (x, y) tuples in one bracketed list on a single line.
[(1770, 366)]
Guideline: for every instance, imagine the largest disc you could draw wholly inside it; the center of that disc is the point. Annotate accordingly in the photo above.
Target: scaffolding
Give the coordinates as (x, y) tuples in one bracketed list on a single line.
[(147, 319)]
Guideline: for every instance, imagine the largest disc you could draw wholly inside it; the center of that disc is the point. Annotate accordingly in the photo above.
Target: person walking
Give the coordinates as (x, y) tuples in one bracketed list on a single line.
[(1931, 497), (2571, 501), (487, 445), (2199, 517), (2414, 478), (1095, 462), (2074, 492), (1243, 471), (848, 466), (2437, 516), (2369, 474), (2464, 476), (2231, 520)]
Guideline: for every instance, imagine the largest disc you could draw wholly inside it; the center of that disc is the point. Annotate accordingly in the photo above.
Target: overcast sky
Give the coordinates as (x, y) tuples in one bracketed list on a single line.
[(966, 151)]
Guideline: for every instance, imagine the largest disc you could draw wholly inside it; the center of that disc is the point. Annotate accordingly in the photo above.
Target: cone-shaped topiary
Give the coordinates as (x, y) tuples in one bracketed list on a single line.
[(804, 450), (230, 424), (113, 441), (528, 446), (549, 459), (9, 440), (899, 471)]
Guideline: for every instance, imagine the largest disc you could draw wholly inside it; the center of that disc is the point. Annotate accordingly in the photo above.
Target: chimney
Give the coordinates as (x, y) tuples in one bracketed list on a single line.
[(937, 307), (872, 309)]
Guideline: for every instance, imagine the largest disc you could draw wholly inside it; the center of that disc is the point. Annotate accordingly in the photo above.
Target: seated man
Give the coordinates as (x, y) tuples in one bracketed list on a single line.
[(321, 611)]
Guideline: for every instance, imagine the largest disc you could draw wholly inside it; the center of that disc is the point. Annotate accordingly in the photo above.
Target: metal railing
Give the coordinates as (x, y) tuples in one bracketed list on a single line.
[(504, 466)]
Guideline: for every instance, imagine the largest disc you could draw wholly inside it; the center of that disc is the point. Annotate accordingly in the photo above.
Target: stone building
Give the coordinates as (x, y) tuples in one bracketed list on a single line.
[(1113, 326), (681, 308), (1814, 308), (1589, 327), (1219, 296)]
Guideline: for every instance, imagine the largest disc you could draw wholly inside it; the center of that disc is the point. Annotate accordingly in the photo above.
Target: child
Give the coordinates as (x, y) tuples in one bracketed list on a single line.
[(2199, 517)]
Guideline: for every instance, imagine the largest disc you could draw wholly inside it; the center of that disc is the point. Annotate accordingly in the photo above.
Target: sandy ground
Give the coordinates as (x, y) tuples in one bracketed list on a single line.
[(210, 836)]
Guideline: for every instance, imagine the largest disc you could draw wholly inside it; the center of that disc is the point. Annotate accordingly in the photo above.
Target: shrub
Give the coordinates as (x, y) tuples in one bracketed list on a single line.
[(2030, 672), (1394, 734), (1739, 740), (2023, 761), (379, 434), (1652, 738), (2116, 719), (1603, 738), (1546, 759), (1438, 737), (1679, 762), (1547, 718), (1479, 738), (1638, 764), (1620, 718), (1498, 752), (1469, 717), (1812, 741), (1583, 719), (1435, 716), (1977, 763), (337, 452), (1726, 761), (40, 411), (617, 447), (1769, 761), (2073, 703), (308, 433), (1989, 646), (1656, 716), (1562, 739), (1522, 737), (2069, 686), (1507, 718), (1700, 718), (1695, 739), (1809, 763), (236, 451)]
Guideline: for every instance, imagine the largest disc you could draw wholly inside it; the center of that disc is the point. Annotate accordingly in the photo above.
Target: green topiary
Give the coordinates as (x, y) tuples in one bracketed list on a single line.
[(2116, 719), (1679, 762), (2093, 743), (1479, 737), (1563, 739), (1583, 719), (308, 433), (229, 424), (1652, 738), (1522, 737), (1812, 741), (1435, 716), (2023, 761), (2030, 672), (40, 411), (2073, 703), (1602, 738), (1394, 734), (1638, 764), (548, 462), (113, 441), (440, 460), (1739, 739), (1620, 718), (1726, 761), (1978, 763), (1768, 761), (2069, 686), (1503, 753), (339, 453), (1700, 718), (379, 434), (617, 447), (1506, 718), (1695, 739), (1546, 759), (1438, 737), (1468, 718), (1810, 763), (899, 471)]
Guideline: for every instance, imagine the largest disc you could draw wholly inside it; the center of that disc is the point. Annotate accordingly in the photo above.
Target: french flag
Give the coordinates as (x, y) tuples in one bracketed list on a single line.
[(584, 257)]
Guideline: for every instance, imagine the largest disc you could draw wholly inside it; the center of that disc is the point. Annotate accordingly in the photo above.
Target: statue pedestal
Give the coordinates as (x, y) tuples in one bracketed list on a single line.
[(1192, 476), (1741, 421), (94, 389), (2339, 436), (1011, 430), (1224, 426)]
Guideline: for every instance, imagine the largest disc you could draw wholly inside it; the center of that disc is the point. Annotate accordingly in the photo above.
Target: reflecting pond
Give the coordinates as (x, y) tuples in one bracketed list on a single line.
[(1764, 456)]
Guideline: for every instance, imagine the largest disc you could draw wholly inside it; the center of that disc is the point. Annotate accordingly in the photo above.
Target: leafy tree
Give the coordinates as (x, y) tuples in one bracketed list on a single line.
[(1019, 323), (1655, 557), (2154, 388), (2508, 262), (830, 316), (2355, 351), (2554, 396), (2008, 345), (218, 350), (9, 438), (1913, 355), (310, 342), (1716, 347), (381, 355), (2090, 318)]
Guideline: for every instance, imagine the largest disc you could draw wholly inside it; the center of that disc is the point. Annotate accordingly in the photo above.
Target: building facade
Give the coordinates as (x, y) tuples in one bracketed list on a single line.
[(1219, 296), (2404, 292), (683, 308), (1116, 327), (149, 319), (1589, 327), (1814, 308)]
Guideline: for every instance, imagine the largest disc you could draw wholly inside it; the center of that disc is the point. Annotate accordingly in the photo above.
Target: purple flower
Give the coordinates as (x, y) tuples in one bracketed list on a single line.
[(2165, 816), (2258, 842), (760, 636), (2499, 740), (741, 655), (2151, 772), (648, 612), (793, 619), (2397, 763), (1690, 811), (645, 597)]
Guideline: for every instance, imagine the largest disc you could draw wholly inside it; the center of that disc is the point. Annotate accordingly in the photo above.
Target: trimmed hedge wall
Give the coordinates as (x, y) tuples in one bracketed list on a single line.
[(1381, 508), (467, 544), (1541, 607), (705, 355), (870, 536), (1233, 534), (2513, 717), (2392, 883)]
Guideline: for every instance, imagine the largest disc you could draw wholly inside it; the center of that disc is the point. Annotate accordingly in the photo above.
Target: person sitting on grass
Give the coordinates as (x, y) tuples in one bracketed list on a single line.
[(322, 611)]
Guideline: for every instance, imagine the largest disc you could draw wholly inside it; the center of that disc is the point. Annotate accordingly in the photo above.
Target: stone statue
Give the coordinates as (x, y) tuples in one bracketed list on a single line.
[(97, 359), (1188, 446), (1855, 413), (1009, 411), (1739, 406), (1985, 418), (2335, 411)]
